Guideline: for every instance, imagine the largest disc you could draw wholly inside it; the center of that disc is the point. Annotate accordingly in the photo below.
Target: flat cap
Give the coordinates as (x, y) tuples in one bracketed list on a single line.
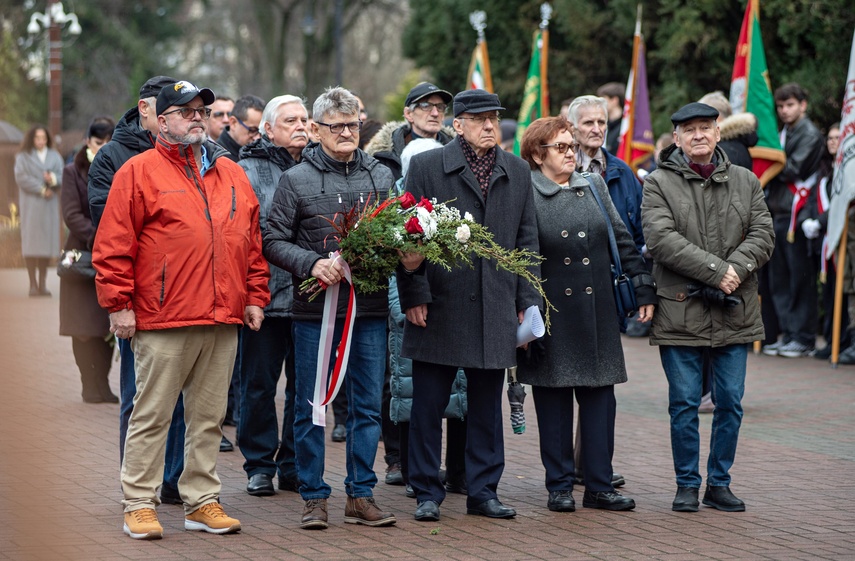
[(694, 110), (476, 101), (154, 84), (181, 93), (426, 89)]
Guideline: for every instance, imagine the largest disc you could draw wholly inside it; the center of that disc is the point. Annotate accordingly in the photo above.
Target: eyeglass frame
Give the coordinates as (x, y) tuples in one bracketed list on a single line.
[(204, 112), (570, 146), (493, 118), (442, 107), (349, 126), (250, 130)]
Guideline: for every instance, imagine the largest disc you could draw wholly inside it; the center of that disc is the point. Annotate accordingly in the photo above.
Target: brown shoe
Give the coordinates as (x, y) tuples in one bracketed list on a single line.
[(142, 524), (365, 511), (315, 515), (212, 519)]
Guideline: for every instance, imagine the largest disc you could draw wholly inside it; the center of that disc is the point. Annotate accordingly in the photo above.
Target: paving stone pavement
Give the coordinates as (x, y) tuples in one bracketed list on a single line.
[(795, 469)]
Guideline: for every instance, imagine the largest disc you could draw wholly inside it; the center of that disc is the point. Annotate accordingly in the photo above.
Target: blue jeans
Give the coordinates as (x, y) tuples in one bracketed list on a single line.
[(262, 356), (174, 463), (364, 386), (684, 370)]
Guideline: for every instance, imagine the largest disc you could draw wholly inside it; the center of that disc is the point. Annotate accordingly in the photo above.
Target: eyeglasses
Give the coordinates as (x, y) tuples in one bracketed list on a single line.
[(250, 130), (218, 114), (189, 112), (338, 128), (481, 119), (427, 106), (559, 146)]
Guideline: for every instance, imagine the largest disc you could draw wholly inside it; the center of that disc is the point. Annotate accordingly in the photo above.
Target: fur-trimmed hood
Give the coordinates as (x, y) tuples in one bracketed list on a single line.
[(738, 125), (383, 141)]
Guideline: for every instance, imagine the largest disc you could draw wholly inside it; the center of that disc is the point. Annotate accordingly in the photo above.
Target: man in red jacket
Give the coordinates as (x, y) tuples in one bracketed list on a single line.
[(179, 268)]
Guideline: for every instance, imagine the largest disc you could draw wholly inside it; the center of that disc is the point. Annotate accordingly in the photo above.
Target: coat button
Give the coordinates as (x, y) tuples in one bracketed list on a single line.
[(567, 260), (712, 265), (564, 233), (586, 261), (472, 297), (581, 234), (580, 193), (589, 290), (568, 291)]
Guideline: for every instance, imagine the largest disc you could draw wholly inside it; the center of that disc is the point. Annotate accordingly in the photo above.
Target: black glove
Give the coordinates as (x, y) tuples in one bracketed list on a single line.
[(713, 297), (534, 355)]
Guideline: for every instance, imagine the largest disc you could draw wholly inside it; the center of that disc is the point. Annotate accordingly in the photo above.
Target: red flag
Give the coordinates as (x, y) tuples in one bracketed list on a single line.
[(636, 132)]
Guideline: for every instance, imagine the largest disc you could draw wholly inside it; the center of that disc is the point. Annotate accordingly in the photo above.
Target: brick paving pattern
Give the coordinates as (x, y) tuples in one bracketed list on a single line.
[(795, 469)]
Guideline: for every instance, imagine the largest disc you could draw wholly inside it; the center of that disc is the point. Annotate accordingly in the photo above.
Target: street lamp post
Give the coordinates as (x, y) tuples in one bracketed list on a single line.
[(53, 20)]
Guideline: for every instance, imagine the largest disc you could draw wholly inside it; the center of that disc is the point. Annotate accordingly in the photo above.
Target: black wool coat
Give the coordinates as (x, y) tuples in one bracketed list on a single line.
[(472, 313)]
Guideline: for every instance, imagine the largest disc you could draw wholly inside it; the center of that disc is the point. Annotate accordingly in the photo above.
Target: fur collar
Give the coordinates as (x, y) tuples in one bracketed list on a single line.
[(738, 125)]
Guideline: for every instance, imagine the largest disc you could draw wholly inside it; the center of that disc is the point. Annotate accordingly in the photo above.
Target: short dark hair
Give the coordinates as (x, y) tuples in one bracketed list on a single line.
[(246, 102), (27, 144), (791, 90), (538, 133), (224, 98), (613, 89), (101, 127)]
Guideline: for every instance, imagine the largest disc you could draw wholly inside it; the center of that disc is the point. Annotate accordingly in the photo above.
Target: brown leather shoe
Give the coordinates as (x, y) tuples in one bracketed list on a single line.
[(365, 511), (314, 515)]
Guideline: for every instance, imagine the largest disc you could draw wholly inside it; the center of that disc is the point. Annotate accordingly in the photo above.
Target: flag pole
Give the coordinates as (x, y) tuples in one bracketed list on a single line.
[(838, 297), (545, 15)]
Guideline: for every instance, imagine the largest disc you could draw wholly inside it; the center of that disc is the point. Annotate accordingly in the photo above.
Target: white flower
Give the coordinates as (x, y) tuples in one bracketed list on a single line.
[(468, 217), (463, 233), (427, 222), (398, 236)]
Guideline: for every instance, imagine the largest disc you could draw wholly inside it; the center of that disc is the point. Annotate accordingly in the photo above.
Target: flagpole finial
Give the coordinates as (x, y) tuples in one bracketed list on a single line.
[(545, 15), (478, 21)]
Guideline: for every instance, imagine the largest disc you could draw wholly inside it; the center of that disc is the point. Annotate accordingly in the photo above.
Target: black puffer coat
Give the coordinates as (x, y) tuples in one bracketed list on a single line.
[(298, 233)]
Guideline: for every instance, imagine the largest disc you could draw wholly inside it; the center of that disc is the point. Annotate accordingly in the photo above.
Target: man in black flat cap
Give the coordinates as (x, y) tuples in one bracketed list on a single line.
[(707, 225), (466, 317)]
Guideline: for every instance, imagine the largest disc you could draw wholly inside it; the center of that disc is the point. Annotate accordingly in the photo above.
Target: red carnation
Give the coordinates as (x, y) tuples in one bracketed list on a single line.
[(407, 200), (426, 204), (412, 225)]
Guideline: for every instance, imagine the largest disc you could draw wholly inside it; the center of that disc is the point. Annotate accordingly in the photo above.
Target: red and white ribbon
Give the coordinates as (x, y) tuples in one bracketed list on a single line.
[(326, 387)]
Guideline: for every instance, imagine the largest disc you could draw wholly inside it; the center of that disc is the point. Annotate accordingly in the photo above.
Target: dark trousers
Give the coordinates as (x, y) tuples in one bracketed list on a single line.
[(828, 308), (455, 450), (485, 451), (792, 280), (767, 308), (93, 356), (389, 431), (554, 409), (263, 354)]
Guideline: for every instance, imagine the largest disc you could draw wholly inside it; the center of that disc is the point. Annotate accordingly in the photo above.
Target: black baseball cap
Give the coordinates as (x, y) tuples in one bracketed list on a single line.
[(180, 93), (694, 110), (476, 101), (426, 89), (154, 84)]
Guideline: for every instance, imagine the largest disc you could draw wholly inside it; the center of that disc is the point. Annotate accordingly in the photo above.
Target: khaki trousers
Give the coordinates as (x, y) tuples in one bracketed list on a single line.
[(196, 361)]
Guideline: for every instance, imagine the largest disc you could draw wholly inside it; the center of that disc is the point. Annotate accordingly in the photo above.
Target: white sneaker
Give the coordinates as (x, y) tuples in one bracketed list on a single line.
[(794, 349)]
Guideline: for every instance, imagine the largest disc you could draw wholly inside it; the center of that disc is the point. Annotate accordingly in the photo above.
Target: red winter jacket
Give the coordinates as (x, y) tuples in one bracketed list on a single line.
[(178, 248)]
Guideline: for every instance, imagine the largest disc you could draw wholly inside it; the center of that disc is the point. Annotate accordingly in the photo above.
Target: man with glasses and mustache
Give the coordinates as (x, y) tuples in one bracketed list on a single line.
[(334, 176), (219, 121), (467, 317), (244, 120), (179, 269), (283, 136), (424, 111)]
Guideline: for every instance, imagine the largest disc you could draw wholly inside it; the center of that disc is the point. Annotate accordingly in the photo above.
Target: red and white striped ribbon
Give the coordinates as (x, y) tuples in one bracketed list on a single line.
[(326, 388)]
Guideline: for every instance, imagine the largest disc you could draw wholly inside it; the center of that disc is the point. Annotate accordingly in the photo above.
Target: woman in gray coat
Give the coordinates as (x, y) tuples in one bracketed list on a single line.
[(583, 355), (38, 171)]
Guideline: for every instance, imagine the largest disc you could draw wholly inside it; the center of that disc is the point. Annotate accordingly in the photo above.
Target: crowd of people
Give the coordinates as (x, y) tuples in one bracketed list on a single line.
[(203, 215)]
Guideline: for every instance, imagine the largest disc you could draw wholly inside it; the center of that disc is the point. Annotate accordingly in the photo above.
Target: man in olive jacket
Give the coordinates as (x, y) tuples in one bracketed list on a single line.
[(466, 317), (709, 231)]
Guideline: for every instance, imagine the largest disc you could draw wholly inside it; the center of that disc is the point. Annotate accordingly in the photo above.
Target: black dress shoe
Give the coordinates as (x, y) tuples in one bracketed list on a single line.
[(427, 511), (618, 480), (492, 508), (260, 485), (410, 492), (722, 499), (608, 500), (561, 501), (457, 487), (226, 445), (289, 484), (339, 433), (686, 500)]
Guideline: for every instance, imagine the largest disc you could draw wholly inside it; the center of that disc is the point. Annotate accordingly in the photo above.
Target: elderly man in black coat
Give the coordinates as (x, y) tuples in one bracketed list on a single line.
[(466, 317)]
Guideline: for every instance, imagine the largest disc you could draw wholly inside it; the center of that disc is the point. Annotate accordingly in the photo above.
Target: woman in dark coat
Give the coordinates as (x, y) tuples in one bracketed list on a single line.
[(80, 316), (583, 353)]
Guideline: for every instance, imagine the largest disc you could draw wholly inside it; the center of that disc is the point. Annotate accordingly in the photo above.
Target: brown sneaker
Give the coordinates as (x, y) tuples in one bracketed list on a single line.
[(314, 515), (365, 511), (142, 524), (211, 518)]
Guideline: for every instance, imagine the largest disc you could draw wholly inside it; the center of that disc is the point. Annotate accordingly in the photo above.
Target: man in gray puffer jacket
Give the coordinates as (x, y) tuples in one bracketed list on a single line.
[(709, 231), (284, 125), (334, 176)]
